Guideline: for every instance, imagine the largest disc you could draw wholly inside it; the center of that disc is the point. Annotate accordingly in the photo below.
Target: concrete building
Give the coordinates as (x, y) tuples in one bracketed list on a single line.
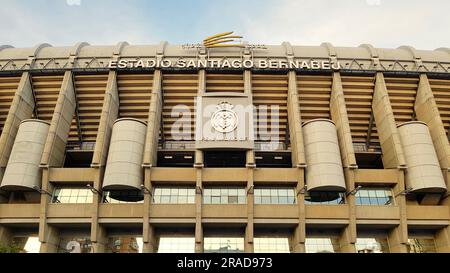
[(250, 148)]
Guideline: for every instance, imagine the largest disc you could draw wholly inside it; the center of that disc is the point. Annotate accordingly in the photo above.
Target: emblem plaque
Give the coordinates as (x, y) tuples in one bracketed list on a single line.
[(224, 120)]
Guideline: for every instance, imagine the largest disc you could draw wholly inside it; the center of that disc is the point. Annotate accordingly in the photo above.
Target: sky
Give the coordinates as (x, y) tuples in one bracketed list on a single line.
[(382, 23)]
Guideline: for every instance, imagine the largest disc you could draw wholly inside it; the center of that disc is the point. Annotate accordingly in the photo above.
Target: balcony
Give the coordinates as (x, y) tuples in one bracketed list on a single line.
[(225, 213), (19, 211)]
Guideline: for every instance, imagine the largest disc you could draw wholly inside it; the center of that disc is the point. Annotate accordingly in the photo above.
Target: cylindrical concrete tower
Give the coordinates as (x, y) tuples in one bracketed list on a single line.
[(424, 173), (323, 157), (124, 165), (22, 172)]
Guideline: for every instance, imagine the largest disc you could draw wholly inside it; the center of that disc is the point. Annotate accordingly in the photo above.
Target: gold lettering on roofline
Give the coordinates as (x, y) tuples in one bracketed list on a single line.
[(224, 63)]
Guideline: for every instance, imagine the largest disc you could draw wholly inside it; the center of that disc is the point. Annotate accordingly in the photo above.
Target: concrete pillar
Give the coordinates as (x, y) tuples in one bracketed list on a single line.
[(199, 164), (110, 112), (21, 108), (393, 156), (99, 238), (150, 157), (442, 238), (339, 115), (250, 164), (299, 236), (5, 236), (48, 235), (298, 159), (55, 146), (349, 234), (427, 111), (398, 236), (295, 123)]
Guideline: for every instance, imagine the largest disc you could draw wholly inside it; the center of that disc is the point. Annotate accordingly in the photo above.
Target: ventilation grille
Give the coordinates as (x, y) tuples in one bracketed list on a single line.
[(225, 83), (270, 99), (358, 92), (402, 93), (134, 92), (441, 92), (90, 90), (46, 90), (314, 96), (180, 92), (8, 87)]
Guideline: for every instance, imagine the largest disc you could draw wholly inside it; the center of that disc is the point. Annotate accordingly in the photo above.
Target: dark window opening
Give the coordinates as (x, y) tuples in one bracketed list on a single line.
[(273, 160), (23, 197), (369, 160), (176, 159), (123, 196), (324, 198), (225, 159), (78, 159)]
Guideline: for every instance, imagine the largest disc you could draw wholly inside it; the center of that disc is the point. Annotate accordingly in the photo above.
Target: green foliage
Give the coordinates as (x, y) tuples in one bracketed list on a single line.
[(10, 249)]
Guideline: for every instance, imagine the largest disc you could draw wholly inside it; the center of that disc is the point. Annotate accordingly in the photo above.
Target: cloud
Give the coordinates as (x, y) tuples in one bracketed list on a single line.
[(351, 23), (58, 23), (382, 23), (73, 2)]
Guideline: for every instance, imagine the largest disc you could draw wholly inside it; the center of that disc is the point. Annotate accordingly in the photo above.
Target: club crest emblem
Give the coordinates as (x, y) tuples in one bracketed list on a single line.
[(224, 120)]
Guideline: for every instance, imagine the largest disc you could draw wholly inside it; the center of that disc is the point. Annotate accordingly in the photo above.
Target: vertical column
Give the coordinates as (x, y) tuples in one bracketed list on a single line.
[(250, 164), (199, 164), (427, 111), (443, 240), (110, 112), (339, 115), (5, 236), (53, 156), (298, 159), (150, 157), (295, 123), (398, 236), (393, 156), (21, 108), (48, 235), (55, 145)]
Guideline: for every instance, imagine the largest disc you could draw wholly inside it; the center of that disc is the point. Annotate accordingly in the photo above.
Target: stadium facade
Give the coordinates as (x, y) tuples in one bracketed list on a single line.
[(253, 148)]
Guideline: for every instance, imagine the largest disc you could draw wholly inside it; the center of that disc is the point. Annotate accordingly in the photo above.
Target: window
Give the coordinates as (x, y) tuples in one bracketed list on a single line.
[(174, 195), (72, 195), (324, 198), (322, 245), (223, 245), (176, 245), (123, 197), (421, 245), (27, 244), (271, 245), (374, 197), (224, 196), (75, 245), (282, 196), (125, 244), (372, 245)]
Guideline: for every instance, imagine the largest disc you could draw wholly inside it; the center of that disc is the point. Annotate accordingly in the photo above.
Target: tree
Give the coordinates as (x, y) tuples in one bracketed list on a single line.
[(10, 249)]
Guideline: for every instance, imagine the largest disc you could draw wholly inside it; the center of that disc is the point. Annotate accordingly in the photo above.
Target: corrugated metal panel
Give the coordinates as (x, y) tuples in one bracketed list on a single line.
[(358, 92), (441, 92), (90, 94), (134, 93), (270, 91), (180, 92), (8, 87), (225, 82), (46, 90)]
